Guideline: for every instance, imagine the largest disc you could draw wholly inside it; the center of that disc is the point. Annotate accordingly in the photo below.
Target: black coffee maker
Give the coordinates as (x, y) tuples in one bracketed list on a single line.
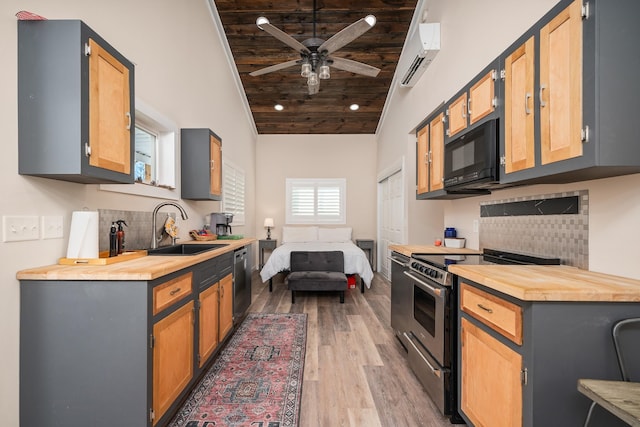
[(222, 223)]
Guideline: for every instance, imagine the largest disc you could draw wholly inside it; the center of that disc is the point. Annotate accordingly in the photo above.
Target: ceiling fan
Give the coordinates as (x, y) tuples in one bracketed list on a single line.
[(315, 53)]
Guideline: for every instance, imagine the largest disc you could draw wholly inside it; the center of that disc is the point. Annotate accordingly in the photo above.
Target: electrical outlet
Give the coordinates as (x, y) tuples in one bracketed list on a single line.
[(18, 228), (52, 227), (475, 226)]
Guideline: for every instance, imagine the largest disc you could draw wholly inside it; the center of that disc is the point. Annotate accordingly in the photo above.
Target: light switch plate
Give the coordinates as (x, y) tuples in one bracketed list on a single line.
[(18, 228), (52, 227)]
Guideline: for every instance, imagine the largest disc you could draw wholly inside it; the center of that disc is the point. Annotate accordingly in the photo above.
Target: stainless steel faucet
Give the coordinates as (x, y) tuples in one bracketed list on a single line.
[(155, 239)]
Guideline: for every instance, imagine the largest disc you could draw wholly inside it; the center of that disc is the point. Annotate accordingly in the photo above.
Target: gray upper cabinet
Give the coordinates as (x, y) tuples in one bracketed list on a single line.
[(75, 104), (570, 85), (201, 164)]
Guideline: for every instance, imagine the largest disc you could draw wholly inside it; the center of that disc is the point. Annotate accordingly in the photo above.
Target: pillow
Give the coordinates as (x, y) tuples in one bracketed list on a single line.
[(299, 234), (334, 234)]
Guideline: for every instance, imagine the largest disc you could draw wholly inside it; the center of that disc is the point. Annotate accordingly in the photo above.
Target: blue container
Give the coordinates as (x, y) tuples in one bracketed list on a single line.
[(450, 233)]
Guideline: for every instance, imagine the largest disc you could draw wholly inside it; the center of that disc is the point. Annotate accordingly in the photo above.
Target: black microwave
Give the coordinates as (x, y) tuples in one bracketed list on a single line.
[(470, 160)]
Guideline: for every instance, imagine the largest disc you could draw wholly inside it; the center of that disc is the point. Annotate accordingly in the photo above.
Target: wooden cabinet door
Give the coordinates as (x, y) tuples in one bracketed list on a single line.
[(422, 160), (226, 305), (561, 85), (436, 153), (172, 357), (216, 166), (458, 115), (491, 390), (519, 142), (482, 99), (208, 317), (109, 115)]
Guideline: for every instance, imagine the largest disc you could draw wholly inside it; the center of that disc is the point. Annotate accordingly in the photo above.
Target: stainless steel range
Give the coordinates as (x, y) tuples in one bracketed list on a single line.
[(429, 330)]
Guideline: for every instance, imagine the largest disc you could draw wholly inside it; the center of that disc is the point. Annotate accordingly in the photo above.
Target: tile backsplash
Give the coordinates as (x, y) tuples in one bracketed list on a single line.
[(551, 225), (138, 229)]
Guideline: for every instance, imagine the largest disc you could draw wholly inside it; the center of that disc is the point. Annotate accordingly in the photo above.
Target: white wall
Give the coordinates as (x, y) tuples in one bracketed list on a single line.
[(473, 34), (317, 156), (180, 72)]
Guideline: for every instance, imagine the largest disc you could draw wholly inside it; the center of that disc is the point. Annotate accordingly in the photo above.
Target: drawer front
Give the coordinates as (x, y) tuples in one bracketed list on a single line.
[(169, 293), (502, 316)]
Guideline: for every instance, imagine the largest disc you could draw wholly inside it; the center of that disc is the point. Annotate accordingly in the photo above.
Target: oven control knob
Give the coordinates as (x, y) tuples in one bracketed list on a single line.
[(433, 273)]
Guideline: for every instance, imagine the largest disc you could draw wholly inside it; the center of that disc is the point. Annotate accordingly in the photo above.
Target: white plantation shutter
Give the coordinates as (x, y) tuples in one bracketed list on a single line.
[(233, 192), (316, 201)]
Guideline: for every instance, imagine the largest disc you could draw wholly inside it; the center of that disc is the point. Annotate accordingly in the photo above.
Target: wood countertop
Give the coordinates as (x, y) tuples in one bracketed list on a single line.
[(143, 268), (551, 283), (430, 249)]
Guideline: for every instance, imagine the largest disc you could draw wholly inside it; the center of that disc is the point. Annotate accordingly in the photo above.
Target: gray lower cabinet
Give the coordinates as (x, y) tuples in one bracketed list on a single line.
[(520, 361), (97, 352), (76, 112)]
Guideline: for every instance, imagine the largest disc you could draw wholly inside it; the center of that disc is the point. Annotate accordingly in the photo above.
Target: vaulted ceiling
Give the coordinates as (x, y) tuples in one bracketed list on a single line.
[(326, 112)]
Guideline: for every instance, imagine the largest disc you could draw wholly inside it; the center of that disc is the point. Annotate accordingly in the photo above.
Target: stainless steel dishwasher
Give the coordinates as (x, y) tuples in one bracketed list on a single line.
[(241, 285)]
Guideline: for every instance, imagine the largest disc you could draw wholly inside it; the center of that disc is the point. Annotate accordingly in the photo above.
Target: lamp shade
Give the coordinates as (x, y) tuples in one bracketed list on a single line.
[(268, 222)]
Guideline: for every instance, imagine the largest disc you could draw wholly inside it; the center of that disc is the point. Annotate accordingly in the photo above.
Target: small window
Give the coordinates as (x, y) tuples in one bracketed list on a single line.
[(145, 156), (233, 191), (316, 201), (154, 157)]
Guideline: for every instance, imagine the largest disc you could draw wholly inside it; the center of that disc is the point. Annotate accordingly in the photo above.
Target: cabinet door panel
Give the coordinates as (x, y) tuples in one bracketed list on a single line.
[(172, 357), (216, 167), (422, 160), (208, 333), (482, 97), (109, 115), (561, 86), (436, 149), (226, 305), (519, 110), (458, 115), (482, 358)]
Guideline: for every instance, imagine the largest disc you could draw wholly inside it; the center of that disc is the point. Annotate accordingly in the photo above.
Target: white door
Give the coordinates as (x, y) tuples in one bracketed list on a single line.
[(390, 219)]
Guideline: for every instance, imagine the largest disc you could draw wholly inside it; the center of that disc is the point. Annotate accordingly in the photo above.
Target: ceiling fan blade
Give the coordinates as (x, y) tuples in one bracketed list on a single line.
[(354, 66), (348, 34), (263, 24), (276, 67)]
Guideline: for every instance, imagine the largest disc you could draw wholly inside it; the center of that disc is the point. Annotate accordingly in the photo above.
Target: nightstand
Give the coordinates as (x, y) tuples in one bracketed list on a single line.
[(264, 244), (367, 245)]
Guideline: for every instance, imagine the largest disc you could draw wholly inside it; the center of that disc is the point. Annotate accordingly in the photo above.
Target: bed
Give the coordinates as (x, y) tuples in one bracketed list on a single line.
[(318, 239)]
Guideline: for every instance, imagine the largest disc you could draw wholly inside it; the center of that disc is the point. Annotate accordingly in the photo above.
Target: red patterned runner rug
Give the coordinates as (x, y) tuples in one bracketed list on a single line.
[(256, 380)]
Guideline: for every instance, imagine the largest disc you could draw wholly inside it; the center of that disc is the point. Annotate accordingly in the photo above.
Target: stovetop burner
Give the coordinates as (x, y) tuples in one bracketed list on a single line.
[(488, 256)]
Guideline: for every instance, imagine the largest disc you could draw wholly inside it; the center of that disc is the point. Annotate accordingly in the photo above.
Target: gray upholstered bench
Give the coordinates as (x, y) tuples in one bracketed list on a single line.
[(317, 271)]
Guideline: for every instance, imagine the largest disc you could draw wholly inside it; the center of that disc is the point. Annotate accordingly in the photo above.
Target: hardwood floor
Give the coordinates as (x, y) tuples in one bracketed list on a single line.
[(356, 372)]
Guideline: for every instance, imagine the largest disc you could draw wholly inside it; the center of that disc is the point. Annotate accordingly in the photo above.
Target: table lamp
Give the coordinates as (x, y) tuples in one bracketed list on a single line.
[(268, 224)]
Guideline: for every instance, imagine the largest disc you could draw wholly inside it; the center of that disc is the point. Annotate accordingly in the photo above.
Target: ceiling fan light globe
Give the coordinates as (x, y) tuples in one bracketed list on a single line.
[(305, 70), (371, 20), (261, 21), (324, 72), (312, 80)]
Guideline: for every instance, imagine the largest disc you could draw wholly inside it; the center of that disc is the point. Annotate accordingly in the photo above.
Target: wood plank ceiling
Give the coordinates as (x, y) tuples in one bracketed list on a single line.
[(326, 112)]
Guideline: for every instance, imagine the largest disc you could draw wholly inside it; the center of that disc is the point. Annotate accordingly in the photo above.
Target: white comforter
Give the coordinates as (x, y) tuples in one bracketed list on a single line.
[(355, 260)]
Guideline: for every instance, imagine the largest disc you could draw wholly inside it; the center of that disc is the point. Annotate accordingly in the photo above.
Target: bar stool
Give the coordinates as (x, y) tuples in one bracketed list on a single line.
[(618, 328)]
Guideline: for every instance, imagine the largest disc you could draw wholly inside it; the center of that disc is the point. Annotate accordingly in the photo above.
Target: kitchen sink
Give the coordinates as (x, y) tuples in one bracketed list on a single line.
[(185, 249)]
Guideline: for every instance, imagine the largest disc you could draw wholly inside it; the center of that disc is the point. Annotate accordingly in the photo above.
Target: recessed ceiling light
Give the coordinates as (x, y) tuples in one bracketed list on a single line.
[(354, 107), (278, 107)]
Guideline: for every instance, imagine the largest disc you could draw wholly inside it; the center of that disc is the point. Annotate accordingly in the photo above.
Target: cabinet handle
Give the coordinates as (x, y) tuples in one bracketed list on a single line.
[(463, 110), (429, 157), (213, 165), (175, 291), (469, 107), (489, 310), (527, 97), (426, 158), (542, 103), (129, 118)]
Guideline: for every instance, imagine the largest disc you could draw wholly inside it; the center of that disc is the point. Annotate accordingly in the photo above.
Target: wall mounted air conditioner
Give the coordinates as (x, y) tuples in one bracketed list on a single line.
[(421, 48)]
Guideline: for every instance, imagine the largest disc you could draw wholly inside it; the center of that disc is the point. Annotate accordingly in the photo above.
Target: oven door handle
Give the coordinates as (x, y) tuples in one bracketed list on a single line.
[(434, 291), (403, 264), (434, 371)]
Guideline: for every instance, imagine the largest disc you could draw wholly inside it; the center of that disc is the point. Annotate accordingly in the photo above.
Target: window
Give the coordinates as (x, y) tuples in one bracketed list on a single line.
[(233, 191), (145, 155), (155, 156), (316, 201)]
